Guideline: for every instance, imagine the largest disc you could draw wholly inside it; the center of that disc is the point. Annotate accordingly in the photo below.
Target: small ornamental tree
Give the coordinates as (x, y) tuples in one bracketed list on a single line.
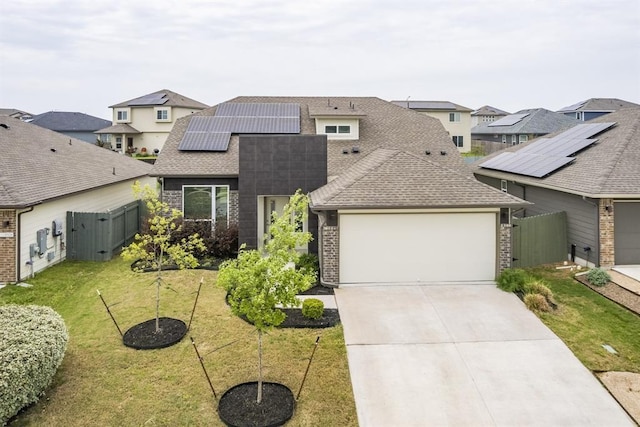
[(155, 249), (257, 282)]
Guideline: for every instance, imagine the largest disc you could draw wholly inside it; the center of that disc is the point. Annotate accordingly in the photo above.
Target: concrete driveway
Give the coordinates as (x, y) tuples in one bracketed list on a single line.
[(463, 355)]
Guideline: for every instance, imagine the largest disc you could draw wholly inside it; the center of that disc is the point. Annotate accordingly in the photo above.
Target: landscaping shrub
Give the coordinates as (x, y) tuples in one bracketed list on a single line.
[(308, 262), (312, 308), (221, 242), (33, 340), (598, 277), (538, 287), (536, 302), (512, 280)]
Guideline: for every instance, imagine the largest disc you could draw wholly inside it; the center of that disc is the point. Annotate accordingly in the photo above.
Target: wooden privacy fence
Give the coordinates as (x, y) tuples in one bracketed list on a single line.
[(97, 236), (539, 239)]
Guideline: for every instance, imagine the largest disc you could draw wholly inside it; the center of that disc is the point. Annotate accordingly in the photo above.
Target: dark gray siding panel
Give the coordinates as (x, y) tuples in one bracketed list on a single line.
[(627, 233), (582, 218), (278, 165)]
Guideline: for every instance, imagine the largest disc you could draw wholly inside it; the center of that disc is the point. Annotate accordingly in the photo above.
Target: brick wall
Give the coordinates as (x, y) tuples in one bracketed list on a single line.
[(8, 271), (605, 220), (505, 247), (330, 254)]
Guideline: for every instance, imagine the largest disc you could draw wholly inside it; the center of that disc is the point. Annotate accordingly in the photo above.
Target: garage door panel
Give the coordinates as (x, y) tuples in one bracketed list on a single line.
[(389, 248)]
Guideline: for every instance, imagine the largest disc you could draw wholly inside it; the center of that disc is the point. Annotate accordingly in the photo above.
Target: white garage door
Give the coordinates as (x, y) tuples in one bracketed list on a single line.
[(401, 248)]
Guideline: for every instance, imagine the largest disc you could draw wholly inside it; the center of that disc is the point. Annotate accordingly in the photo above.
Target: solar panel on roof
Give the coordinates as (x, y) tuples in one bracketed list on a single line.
[(546, 155), (205, 141), (573, 107), (509, 120), (240, 109), (151, 99)]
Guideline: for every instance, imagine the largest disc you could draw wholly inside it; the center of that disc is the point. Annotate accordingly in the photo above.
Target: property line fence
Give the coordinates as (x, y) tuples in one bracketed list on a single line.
[(539, 239)]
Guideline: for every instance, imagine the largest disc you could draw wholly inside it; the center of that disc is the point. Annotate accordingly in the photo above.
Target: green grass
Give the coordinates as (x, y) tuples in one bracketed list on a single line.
[(585, 320), (101, 382)]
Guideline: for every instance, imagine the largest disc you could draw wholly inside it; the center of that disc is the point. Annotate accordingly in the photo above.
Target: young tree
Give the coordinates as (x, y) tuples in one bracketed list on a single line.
[(257, 282), (155, 248)]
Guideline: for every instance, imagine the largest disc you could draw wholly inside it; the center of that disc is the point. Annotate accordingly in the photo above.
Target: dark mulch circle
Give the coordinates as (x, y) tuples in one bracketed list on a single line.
[(238, 406), (143, 336), (318, 290), (295, 319)]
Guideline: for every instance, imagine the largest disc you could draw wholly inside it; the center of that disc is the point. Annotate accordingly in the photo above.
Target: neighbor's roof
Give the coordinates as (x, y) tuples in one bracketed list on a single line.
[(119, 128), (162, 97), (13, 112), (431, 105), (488, 110), (397, 179), (538, 121), (38, 164), (599, 105), (608, 168), (64, 121), (385, 125)]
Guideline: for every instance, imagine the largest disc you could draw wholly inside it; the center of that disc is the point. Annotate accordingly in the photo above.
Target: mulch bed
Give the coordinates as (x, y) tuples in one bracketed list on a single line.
[(143, 336), (238, 406), (615, 293), (295, 319)]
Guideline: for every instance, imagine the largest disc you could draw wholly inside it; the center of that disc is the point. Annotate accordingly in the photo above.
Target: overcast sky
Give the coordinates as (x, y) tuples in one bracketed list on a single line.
[(86, 55)]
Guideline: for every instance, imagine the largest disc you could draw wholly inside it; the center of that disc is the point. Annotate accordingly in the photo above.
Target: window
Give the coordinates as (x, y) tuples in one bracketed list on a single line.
[(503, 185), (331, 129), (118, 142), (162, 115), (122, 116), (206, 203), (514, 140), (454, 117), (457, 140), (337, 129), (504, 139), (344, 129), (523, 138)]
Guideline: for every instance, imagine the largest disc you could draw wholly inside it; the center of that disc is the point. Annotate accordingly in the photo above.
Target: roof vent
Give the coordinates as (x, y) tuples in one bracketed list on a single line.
[(345, 151), (428, 152), (53, 150), (4, 125), (355, 150), (443, 153)]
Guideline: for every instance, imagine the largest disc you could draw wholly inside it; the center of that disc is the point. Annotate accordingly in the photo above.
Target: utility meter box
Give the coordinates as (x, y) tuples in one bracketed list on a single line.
[(56, 227), (41, 240)]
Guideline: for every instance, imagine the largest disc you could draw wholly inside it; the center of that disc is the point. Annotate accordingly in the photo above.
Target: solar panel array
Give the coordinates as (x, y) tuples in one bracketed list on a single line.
[(547, 155), (213, 133), (509, 120), (151, 99), (573, 107)]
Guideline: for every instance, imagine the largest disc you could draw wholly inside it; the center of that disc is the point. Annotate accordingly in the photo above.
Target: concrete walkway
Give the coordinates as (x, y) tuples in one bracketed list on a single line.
[(463, 355)]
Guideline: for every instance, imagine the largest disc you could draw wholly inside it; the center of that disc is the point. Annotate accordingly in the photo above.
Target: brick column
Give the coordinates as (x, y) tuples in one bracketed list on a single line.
[(330, 254), (605, 228), (8, 242), (505, 248)]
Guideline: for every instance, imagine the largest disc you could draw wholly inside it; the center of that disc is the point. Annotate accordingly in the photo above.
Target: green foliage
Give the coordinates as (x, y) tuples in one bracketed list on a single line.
[(536, 302), (220, 243), (256, 284), (512, 280), (33, 340), (312, 308), (309, 262), (598, 277)]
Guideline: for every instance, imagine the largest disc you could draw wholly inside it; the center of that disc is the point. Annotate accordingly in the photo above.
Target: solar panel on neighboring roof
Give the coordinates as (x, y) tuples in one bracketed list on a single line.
[(240, 109), (573, 107), (509, 120), (205, 141), (546, 155), (151, 99)]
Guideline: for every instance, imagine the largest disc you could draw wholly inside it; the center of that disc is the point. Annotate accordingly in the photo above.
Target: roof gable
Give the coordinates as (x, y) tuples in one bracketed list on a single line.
[(599, 105), (396, 179), (537, 121), (488, 110), (39, 164), (162, 97)]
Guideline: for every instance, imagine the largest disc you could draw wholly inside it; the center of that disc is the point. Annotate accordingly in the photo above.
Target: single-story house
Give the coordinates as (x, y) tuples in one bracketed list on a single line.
[(44, 175), (591, 172), (73, 124), (242, 159)]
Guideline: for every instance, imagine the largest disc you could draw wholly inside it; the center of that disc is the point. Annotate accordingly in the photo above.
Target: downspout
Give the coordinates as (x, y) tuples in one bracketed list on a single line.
[(321, 222), (19, 241)]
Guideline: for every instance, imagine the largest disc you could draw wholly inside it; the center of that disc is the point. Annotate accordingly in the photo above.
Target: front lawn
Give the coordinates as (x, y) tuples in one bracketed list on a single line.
[(585, 321), (102, 382)]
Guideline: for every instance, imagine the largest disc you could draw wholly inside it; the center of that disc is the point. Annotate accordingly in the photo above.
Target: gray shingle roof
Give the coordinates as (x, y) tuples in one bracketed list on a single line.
[(488, 110), (385, 126), (118, 128), (539, 121), (599, 105), (609, 168), (169, 99), (431, 105), (38, 164), (65, 121), (396, 179)]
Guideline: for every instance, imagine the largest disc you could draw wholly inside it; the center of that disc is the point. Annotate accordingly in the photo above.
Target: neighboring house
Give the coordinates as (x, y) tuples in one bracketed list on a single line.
[(455, 118), (75, 125), (44, 175), (595, 107), (592, 173), (143, 124), (239, 161), (522, 126), (486, 114), (16, 114)]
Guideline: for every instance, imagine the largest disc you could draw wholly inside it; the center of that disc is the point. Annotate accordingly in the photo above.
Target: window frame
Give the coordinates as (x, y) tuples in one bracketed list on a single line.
[(214, 203), (514, 140), (458, 140), (162, 111), (504, 138), (454, 117), (123, 115), (523, 138)]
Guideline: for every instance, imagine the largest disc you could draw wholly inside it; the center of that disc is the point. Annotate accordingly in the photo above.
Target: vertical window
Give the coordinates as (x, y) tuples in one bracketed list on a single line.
[(503, 185), (122, 116), (458, 141), (504, 139), (523, 138), (454, 117), (514, 139), (206, 203), (118, 142)]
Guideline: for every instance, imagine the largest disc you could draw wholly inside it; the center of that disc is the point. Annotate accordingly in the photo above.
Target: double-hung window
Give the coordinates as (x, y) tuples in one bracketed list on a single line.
[(206, 203), (162, 114), (454, 117), (122, 115), (457, 140)]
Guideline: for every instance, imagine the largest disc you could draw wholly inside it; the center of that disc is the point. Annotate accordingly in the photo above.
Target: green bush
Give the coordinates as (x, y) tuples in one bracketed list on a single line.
[(312, 308), (536, 302), (308, 262), (598, 277), (33, 340), (512, 280), (538, 287)]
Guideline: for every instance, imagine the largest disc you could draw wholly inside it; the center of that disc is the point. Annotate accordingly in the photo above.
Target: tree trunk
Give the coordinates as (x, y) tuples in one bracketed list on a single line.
[(158, 283), (259, 400)]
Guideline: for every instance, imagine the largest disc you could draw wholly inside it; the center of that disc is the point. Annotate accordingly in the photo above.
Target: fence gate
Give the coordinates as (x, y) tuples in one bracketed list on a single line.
[(97, 236), (539, 239)]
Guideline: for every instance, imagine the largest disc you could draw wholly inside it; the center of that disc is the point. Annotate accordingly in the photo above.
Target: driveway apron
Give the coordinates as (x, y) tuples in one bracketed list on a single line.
[(463, 355)]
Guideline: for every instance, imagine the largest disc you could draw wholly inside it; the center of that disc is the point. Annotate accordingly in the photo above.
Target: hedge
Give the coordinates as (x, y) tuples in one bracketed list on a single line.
[(33, 340)]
